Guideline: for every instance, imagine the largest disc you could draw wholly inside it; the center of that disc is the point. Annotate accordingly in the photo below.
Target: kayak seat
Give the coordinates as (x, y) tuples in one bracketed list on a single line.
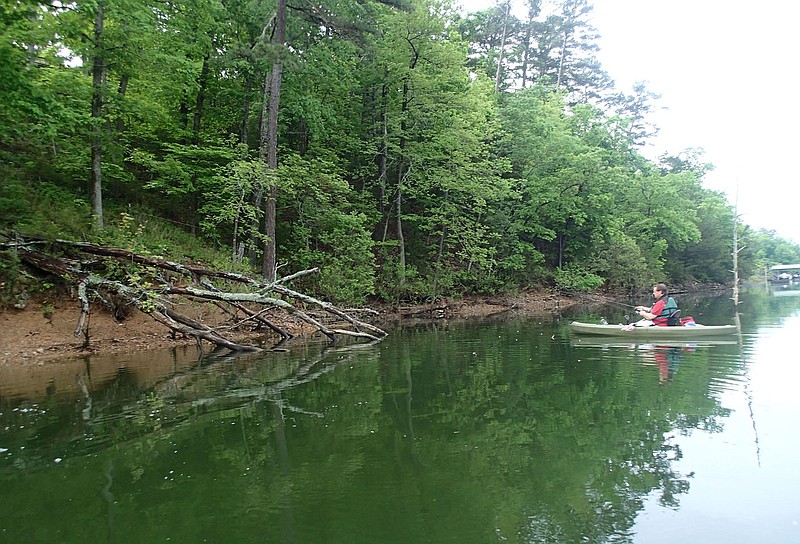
[(675, 319)]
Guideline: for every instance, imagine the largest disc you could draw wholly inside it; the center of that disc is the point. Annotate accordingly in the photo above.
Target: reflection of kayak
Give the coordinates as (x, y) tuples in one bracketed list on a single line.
[(786, 293), (643, 343), (654, 332)]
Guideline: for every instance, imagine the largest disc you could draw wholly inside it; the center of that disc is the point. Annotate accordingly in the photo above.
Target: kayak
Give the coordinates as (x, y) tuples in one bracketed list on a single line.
[(643, 344), (653, 332)]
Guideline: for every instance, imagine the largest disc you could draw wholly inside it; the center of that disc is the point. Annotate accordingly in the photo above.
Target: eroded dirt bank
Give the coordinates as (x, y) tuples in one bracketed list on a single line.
[(42, 332)]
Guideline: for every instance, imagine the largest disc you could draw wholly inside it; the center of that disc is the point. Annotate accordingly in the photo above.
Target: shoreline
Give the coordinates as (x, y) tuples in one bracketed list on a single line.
[(42, 332)]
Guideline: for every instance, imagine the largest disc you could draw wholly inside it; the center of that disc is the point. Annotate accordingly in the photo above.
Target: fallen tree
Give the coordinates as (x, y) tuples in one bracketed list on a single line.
[(157, 287)]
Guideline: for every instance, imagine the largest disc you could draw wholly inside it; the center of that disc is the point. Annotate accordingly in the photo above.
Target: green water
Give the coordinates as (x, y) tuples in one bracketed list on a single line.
[(496, 430)]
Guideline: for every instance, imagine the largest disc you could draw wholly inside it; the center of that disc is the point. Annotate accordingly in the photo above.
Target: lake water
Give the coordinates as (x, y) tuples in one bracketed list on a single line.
[(494, 430)]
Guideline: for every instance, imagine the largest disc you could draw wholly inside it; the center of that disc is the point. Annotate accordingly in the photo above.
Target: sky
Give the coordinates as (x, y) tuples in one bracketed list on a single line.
[(726, 73)]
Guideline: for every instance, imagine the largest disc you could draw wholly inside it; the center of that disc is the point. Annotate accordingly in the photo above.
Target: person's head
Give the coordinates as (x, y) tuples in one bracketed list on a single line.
[(659, 290)]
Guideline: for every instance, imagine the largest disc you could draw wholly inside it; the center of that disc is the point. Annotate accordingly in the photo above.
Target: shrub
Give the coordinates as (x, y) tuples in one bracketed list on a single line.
[(575, 278)]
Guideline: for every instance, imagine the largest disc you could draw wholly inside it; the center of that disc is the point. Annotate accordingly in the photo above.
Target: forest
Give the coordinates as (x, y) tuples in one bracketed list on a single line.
[(405, 149)]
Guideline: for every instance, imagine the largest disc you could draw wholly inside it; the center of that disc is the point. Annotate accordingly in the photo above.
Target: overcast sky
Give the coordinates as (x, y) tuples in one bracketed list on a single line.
[(726, 74)]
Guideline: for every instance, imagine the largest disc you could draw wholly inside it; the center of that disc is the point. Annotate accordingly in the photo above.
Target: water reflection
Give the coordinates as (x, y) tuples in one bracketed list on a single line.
[(791, 289), (452, 431), (72, 377), (664, 356)]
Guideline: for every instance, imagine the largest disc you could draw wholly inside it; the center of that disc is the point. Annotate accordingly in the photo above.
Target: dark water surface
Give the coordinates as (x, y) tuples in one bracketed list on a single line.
[(502, 430)]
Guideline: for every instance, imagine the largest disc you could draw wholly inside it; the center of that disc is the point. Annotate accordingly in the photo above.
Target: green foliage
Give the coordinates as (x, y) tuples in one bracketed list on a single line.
[(710, 259), (763, 249), (126, 233), (574, 278), (137, 229), (623, 264), (326, 231), (402, 171), (9, 276), (228, 213), (47, 310), (396, 283), (564, 176), (14, 203), (438, 142), (182, 175), (347, 265), (54, 212)]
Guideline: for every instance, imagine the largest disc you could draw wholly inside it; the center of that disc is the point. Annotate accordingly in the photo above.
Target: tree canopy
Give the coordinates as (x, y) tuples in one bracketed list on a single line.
[(412, 152)]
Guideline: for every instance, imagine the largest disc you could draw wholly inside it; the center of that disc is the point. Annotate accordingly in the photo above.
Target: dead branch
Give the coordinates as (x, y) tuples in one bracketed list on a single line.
[(158, 296)]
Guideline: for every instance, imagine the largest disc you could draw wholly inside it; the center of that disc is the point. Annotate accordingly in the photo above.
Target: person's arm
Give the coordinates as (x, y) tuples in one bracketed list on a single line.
[(646, 315), (653, 312)]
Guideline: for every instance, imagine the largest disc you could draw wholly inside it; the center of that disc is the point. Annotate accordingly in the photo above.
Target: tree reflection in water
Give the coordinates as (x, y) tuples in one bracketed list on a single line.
[(467, 432)]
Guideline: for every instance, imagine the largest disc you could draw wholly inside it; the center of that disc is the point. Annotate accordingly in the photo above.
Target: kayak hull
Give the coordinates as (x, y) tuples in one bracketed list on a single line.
[(653, 332), (643, 344)]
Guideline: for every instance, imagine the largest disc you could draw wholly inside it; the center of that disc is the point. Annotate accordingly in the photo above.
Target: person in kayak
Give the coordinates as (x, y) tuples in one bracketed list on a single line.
[(662, 309)]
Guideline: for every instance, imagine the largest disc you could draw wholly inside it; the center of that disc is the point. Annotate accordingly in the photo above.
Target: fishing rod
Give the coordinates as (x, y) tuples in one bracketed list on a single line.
[(620, 304), (597, 298)]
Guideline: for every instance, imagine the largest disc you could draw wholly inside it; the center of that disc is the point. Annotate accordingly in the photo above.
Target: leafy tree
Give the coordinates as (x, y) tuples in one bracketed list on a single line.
[(558, 50), (708, 259), (661, 213), (489, 33), (689, 160), (228, 209), (435, 136), (563, 176), (327, 230), (527, 35), (623, 263), (634, 111), (422, 154), (766, 249)]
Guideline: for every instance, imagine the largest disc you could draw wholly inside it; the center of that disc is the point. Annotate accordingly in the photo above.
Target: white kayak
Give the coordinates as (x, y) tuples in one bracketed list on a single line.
[(654, 332)]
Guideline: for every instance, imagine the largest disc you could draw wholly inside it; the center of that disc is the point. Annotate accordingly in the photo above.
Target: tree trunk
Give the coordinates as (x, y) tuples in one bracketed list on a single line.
[(269, 265), (383, 162), (401, 177), (98, 84), (121, 90), (200, 101), (400, 238), (572, 10), (263, 137), (534, 9), (498, 78), (236, 243), (562, 59), (735, 255), (438, 264), (526, 52), (248, 86)]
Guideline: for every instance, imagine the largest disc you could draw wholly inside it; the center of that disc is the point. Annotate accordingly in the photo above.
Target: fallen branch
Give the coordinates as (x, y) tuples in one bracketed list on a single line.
[(158, 295)]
